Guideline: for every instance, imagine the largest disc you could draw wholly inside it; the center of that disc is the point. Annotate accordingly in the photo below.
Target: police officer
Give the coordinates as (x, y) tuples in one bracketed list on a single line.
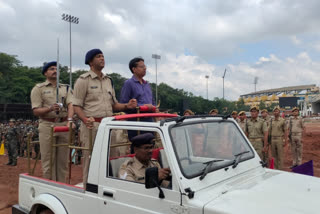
[(12, 142), (257, 132), (242, 120), (265, 116), (135, 168), (20, 129), (27, 130), (278, 132), (93, 99), (234, 115), (51, 113), (296, 127), (35, 137), (213, 112)]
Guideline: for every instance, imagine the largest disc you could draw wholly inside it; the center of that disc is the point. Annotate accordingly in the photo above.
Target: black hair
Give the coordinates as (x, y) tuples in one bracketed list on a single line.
[(134, 62)]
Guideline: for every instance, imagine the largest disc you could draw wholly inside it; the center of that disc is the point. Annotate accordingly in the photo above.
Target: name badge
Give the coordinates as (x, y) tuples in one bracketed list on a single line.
[(47, 92), (94, 87)]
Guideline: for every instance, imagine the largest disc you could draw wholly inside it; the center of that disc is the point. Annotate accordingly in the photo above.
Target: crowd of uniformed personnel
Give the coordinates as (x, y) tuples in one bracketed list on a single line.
[(93, 98)]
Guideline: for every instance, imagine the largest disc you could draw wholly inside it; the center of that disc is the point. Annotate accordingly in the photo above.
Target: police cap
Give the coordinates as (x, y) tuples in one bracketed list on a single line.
[(254, 108), (141, 139), (188, 111), (275, 108), (295, 108), (48, 65), (234, 112), (242, 112), (214, 110), (90, 54), (264, 110)]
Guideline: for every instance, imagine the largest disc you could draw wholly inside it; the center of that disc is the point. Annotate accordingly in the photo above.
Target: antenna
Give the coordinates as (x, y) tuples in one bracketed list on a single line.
[(224, 74)]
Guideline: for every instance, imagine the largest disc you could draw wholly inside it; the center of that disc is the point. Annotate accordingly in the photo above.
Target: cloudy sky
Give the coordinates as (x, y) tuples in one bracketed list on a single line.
[(276, 40)]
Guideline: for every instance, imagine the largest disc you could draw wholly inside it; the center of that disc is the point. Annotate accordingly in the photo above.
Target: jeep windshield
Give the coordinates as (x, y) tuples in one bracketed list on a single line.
[(216, 142)]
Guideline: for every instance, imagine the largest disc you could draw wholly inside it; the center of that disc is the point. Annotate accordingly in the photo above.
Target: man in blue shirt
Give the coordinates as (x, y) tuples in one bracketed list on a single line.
[(136, 87), (139, 89)]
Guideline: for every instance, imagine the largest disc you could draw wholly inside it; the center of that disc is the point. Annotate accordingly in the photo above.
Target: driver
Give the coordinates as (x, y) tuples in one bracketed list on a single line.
[(135, 168)]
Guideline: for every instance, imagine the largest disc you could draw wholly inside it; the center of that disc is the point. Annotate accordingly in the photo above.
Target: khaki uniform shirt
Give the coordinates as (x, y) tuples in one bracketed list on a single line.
[(256, 128), (242, 124), (277, 127), (95, 96), (134, 170), (297, 125), (267, 120), (44, 95)]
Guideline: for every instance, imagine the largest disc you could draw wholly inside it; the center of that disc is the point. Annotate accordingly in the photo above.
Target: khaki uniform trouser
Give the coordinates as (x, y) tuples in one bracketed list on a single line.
[(84, 138), (277, 151), (59, 155), (296, 149), (257, 144)]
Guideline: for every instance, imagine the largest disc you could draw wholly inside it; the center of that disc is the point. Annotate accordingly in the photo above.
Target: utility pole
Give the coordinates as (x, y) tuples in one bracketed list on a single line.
[(224, 74), (74, 20), (207, 77), (255, 82), (155, 56)]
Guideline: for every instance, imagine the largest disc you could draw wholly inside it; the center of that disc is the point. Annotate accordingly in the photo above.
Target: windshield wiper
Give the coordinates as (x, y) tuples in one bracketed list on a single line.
[(237, 158), (207, 167)]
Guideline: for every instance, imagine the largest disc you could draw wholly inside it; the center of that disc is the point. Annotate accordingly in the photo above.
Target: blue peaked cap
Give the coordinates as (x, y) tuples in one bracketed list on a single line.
[(48, 65), (90, 54)]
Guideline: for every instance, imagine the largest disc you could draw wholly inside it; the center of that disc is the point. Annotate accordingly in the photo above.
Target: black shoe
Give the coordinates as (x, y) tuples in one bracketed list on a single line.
[(9, 163), (14, 164)]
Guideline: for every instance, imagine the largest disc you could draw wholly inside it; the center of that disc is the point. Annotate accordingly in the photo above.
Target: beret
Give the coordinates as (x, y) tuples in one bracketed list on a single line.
[(48, 65), (90, 54), (141, 139)]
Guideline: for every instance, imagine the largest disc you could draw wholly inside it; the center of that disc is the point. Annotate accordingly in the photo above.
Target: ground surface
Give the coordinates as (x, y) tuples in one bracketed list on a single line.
[(9, 176)]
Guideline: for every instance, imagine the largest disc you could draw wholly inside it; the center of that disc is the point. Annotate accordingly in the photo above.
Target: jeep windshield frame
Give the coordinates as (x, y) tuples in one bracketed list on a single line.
[(200, 141)]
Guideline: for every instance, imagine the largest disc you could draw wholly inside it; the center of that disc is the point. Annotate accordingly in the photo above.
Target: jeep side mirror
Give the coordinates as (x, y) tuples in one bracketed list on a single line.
[(151, 177), (151, 180)]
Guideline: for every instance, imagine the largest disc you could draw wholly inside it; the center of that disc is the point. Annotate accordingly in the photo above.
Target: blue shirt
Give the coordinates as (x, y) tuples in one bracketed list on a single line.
[(133, 89)]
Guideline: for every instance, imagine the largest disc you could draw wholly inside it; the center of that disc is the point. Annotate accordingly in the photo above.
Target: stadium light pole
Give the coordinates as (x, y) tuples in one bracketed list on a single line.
[(72, 20), (255, 82), (207, 77), (224, 74), (156, 57)]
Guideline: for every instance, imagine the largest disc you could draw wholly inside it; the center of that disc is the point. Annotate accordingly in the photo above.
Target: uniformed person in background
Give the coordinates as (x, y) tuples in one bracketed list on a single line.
[(188, 112), (296, 128), (27, 130), (278, 132), (257, 132), (135, 168), (242, 120), (51, 113), (234, 115), (20, 129), (265, 116), (35, 137), (94, 98), (12, 143), (213, 112)]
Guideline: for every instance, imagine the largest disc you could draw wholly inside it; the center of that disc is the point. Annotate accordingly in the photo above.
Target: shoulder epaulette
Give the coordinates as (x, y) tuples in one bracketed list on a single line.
[(84, 75), (39, 85)]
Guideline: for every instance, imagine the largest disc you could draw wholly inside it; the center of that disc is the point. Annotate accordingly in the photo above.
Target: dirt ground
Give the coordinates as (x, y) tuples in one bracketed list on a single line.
[(9, 175)]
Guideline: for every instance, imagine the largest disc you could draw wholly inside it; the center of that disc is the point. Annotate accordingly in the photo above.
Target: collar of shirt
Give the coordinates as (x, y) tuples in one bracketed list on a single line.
[(134, 78), (139, 164), (94, 75), (254, 120)]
